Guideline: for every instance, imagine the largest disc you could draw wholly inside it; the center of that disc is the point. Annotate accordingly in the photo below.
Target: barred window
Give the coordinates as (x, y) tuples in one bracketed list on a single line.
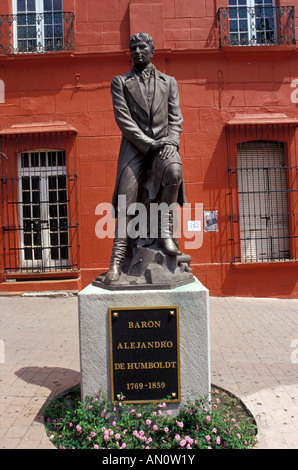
[(36, 26), (39, 203), (252, 21), (263, 192), (256, 22)]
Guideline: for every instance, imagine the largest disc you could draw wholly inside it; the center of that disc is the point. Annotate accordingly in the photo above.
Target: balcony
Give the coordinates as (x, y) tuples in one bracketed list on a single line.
[(256, 26), (36, 33)]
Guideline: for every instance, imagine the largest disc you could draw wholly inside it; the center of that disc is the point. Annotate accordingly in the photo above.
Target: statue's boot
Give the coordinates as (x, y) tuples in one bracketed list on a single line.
[(166, 221), (118, 255), (118, 252)]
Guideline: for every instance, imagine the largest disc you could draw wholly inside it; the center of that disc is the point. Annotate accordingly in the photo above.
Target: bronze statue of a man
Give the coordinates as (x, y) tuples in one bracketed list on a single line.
[(147, 110)]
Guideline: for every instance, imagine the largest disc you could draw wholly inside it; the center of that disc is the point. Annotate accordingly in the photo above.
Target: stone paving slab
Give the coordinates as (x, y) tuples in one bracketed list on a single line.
[(252, 356)]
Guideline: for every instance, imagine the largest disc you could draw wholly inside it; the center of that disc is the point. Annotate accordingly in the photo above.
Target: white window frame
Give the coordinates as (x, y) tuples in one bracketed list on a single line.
[(40, 25), (251, 19), (42, 173)]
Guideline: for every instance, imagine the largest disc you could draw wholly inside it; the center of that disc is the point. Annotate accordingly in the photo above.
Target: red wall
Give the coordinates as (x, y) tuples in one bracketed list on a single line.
[(214, 85)]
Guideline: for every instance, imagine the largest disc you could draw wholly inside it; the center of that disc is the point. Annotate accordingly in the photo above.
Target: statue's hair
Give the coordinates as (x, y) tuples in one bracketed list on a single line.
[(142, 37)]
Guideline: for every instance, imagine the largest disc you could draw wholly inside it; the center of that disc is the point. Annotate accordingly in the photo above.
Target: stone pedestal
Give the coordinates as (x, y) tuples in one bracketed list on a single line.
[(193, 302)]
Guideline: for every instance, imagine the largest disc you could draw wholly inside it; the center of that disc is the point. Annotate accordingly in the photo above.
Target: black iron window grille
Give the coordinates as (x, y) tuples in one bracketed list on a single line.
[(39, 203), (256, 22), (263, 192), (36, 32)]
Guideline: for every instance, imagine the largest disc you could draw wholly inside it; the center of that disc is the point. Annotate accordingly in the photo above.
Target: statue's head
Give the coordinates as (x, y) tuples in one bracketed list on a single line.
[(141, 48), (144, 37)]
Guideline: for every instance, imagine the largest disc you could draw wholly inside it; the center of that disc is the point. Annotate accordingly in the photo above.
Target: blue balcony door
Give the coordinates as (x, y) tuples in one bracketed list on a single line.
[(252, 22), (39, 25)]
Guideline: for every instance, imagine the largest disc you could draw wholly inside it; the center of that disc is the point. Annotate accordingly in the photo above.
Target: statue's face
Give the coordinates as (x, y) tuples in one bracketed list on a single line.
[(141, 53)]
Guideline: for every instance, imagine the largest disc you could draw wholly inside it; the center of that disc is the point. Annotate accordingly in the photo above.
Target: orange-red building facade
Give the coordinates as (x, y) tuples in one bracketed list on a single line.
[(57, 104)]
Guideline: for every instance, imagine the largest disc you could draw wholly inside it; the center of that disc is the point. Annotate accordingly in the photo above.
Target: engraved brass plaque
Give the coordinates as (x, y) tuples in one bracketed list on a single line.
[(144, 354)]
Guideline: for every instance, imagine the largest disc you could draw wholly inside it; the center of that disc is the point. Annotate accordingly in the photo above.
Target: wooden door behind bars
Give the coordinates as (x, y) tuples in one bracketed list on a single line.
[(263, 201)]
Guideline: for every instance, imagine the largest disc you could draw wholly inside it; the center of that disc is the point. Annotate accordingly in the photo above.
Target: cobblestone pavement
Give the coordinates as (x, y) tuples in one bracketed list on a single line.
[(254, 354)]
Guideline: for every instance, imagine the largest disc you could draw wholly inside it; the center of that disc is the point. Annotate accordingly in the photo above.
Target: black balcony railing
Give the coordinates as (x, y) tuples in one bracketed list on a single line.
[(259, 25), (36, 32)]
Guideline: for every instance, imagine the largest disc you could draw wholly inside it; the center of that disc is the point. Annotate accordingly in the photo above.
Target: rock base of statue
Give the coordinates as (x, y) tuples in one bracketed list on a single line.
[(150, 267)]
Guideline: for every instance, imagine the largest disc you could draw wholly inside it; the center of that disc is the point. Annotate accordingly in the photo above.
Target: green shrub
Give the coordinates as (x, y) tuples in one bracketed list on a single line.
[(221, 422)]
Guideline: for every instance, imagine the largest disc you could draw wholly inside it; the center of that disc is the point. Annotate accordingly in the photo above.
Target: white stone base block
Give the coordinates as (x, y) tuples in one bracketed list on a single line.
[(193, 301)]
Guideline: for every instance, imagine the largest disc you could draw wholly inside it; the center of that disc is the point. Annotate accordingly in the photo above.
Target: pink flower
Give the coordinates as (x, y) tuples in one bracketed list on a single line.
[(177, 437), (155, 428), (218, 440), (78, 428), (162, 405), (95, 446), (208, 418), (214, 430), (117, 436), (92, 434), (180, 424), (169, 412), (166, 429), (182, 443), (70, 425), (106, 437), (239, 435), (207, 438), (123, 446), (114, 423), (148, 422), (132, 411), (139, 415)]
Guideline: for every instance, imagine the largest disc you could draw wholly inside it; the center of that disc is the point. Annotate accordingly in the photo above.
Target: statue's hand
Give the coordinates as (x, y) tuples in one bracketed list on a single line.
[(168, 151), (158, 144)]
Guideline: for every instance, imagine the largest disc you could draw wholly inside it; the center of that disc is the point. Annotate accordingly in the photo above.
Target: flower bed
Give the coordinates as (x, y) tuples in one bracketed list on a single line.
[(221, 423)]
